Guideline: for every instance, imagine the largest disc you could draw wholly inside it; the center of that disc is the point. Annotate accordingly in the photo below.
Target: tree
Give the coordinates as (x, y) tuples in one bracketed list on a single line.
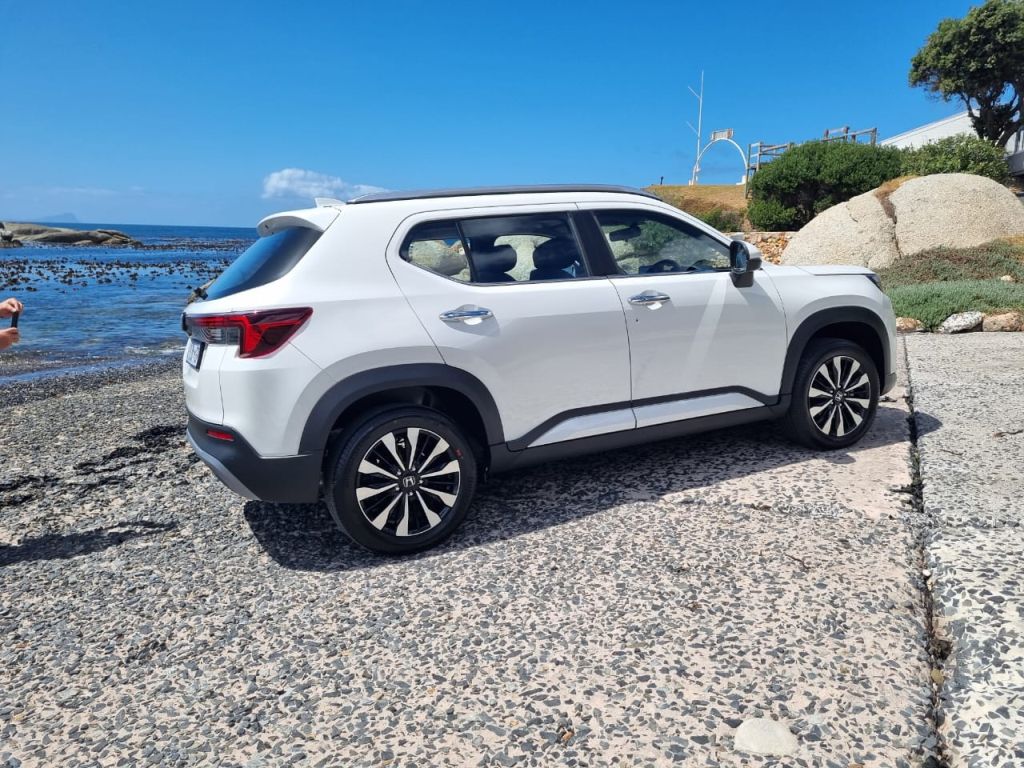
[(979, 59)]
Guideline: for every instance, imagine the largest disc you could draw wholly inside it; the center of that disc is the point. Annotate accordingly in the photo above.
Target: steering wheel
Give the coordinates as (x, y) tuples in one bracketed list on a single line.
[(665, 265)]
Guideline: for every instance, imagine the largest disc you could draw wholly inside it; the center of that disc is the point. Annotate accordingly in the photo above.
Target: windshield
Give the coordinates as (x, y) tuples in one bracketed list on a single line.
[(266, 260)]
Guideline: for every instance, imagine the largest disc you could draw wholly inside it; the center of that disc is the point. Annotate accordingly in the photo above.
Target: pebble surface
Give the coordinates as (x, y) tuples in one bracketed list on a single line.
[(972, 454), (631, 608)]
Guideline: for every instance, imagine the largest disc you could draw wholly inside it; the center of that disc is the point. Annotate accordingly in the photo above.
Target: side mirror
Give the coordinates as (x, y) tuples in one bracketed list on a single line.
[(744, 259)]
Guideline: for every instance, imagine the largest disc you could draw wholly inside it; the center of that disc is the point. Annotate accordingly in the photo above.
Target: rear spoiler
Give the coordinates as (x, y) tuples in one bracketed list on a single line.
[(318, 219)]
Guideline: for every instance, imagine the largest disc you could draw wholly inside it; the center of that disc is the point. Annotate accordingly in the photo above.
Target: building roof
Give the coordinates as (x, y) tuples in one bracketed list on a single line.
[(954, 125)]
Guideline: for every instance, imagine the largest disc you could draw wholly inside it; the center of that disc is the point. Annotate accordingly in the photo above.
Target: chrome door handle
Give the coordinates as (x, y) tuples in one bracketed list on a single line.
[(649, 299), (468, 315)]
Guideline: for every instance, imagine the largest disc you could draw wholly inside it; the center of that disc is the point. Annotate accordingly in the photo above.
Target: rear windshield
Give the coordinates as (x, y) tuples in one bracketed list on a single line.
[(264, 261)]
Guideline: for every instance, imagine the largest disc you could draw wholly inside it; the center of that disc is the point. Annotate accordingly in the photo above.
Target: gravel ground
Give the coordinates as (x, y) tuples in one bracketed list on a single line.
[(632, 608), (974, 497)]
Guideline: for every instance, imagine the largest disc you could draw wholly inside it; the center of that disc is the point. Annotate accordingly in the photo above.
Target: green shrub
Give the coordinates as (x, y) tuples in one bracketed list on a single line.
[(771, 216), (723, 219), (957, 154), (931, 303), (805, 180)]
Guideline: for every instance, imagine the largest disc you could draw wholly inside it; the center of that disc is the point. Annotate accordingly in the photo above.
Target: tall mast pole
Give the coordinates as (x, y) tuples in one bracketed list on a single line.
[(697, 130)]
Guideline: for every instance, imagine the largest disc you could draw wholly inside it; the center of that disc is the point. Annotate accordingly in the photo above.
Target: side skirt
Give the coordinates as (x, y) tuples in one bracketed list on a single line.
[(504, 459)]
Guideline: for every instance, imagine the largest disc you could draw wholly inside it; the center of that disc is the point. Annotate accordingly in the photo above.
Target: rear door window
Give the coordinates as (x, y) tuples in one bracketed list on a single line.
[(499, 249), (266, 260)]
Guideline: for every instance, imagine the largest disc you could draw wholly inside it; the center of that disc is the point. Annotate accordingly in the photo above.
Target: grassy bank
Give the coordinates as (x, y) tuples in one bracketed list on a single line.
[(934, 285), (722, 205)]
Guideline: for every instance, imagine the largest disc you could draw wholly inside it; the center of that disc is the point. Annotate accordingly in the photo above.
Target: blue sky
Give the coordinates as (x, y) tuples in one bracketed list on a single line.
[(218, 113)]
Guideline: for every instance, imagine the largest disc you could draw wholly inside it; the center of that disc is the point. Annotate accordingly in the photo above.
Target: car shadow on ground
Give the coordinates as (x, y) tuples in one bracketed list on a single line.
[(304, 537), (60, 546)]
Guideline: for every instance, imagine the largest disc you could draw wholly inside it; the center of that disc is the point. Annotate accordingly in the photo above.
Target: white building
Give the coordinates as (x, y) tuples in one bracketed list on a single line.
[(957, 125)]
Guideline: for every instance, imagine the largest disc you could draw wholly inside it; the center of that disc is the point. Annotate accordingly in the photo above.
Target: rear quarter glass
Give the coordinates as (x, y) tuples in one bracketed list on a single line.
[(265, 261)]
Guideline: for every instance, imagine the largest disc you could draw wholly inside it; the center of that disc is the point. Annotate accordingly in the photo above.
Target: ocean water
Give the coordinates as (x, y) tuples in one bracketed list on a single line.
[(94, 306)]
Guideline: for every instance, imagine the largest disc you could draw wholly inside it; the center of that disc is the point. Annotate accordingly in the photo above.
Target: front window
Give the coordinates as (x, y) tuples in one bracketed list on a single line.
[(647, 243)]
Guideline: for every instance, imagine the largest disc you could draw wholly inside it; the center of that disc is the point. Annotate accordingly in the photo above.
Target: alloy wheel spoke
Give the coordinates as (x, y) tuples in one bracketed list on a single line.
[(816, 409), (815, 392), (365, 492), (853, 416), (448, 469), (440, 448), (381, 520), (431, 515), (447, 498), (389, 441), (827, 429), (854, 367), (367, 467), (412, 436), (862, 381), (403, 524), (826, 374)]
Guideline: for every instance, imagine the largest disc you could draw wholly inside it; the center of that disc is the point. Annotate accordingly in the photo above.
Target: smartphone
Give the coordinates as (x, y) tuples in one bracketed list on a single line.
[(14, 319)]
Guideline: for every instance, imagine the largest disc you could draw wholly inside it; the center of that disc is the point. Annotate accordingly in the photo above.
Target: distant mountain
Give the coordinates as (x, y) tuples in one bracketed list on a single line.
[(59, 218)]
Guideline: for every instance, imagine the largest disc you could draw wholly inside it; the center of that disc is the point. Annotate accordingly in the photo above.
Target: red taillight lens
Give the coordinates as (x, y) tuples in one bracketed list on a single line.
[(218, 434), (256, 333)]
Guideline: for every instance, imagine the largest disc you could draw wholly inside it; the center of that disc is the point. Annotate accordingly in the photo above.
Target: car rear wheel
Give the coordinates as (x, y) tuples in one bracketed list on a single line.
[(401, 481), (835, 395)]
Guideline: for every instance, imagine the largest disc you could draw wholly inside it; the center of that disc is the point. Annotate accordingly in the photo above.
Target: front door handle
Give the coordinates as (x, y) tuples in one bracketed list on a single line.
[(467, 315), (649, 299)]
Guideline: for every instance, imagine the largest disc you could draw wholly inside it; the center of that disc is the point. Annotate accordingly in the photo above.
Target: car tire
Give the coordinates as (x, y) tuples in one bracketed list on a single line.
[(835, 395), (401, 480)]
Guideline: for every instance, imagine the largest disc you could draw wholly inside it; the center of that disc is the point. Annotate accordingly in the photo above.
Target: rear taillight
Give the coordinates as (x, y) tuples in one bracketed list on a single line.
[(256, 333)]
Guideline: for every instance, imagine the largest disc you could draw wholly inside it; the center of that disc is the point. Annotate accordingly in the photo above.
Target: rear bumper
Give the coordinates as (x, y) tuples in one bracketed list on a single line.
[(286, 480)]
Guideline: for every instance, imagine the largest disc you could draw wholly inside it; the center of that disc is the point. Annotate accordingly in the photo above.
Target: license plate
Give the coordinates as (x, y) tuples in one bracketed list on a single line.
[(194, 353)]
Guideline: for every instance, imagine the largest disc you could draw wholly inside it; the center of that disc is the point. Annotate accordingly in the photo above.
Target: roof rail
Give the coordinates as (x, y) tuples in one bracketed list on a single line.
[(326, 202), (383, 197)]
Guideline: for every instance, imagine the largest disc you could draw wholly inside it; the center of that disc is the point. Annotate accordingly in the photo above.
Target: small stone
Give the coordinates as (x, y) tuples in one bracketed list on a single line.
[(908, 325), (1004, 321), (1007, 279), (762, 736), (961, 322)]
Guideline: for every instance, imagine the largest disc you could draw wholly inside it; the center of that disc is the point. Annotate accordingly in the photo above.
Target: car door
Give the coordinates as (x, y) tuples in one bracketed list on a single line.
[(699, 344), (510, 298)]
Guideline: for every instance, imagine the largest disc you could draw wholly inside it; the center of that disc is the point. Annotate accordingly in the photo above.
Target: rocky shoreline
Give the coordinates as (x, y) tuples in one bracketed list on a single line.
[(15, 234), (20, 274), (24, 381)]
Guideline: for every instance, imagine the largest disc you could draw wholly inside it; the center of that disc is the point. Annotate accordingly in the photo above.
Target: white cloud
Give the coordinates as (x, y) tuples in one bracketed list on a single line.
[(296, 182)]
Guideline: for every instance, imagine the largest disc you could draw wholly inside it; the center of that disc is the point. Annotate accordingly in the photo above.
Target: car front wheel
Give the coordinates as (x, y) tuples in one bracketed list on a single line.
[(401, 481), (835, 395)]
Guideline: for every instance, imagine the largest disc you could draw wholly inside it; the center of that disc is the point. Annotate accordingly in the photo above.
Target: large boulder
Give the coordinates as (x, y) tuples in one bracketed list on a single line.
[(858, 232), (954, 210)]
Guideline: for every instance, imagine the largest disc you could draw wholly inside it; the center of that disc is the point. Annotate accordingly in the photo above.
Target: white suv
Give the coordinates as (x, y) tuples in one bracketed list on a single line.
[(389, 352)]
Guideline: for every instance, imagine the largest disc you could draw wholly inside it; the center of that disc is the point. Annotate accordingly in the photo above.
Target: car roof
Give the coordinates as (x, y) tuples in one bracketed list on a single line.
[(424, 194)]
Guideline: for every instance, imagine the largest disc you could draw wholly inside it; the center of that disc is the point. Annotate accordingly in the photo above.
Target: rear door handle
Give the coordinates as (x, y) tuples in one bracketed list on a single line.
[(651, 299), (467, 315)]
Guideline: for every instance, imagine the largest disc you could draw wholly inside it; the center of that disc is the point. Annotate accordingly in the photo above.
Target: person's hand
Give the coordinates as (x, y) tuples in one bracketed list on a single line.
[(9, 306), (8, 336)]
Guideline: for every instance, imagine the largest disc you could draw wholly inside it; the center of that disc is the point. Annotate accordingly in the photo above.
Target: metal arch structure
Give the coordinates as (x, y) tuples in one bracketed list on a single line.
[(712, 143)]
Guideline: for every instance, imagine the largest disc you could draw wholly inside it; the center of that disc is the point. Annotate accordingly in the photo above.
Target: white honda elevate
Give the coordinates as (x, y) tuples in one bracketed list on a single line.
[(388, 352)]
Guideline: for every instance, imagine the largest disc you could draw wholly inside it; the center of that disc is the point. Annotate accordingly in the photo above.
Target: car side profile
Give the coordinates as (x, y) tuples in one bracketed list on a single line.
[(388, 353)]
